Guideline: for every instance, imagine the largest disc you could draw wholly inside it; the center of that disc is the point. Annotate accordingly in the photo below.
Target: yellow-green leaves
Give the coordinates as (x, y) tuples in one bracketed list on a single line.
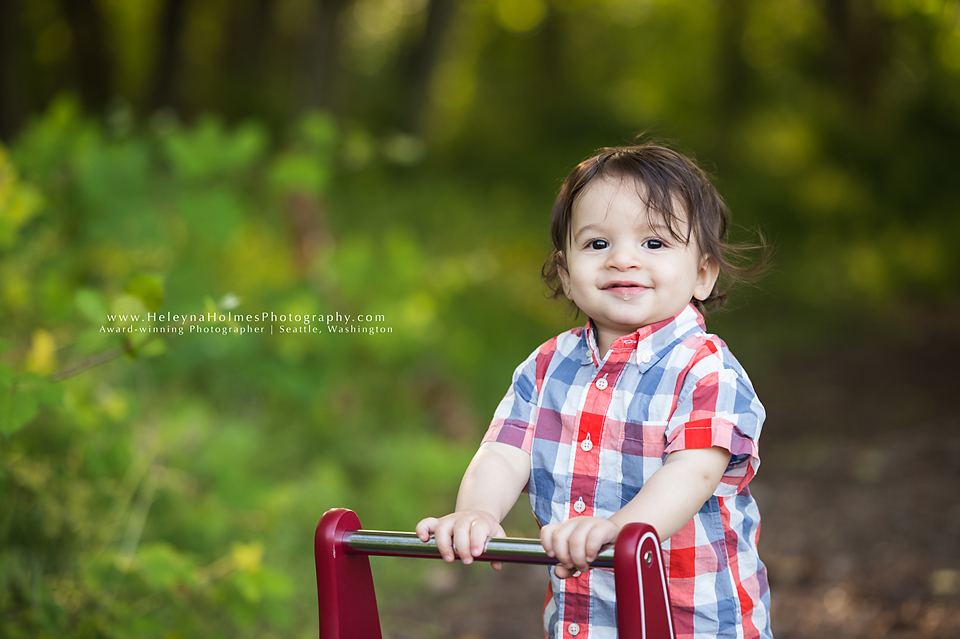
[(19, 201), (21, 397)]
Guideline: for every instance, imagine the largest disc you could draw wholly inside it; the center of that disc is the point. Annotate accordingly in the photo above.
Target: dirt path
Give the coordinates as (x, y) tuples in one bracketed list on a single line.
[(859, 493)]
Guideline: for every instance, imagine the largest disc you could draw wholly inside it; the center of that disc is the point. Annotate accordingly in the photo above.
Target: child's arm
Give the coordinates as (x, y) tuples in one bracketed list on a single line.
[(667, 501), (491, 485)]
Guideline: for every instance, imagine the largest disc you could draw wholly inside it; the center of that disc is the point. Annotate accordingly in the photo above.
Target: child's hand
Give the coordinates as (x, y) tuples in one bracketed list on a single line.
[(576, 542), (463, 533)]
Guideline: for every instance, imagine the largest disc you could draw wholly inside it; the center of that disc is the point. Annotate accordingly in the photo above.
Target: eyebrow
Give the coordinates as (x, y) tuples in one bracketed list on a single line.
[(582, 229), (658, 228)]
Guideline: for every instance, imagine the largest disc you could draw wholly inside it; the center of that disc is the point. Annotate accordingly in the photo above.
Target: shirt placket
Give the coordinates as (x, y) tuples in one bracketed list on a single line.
[(585, 477)]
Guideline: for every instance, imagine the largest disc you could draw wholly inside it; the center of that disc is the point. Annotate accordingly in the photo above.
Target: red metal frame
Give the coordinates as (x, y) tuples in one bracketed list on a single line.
[(348, 601), (643, 603)]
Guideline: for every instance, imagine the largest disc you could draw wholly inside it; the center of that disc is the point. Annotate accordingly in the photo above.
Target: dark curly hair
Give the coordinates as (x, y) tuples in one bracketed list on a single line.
[(663, 179)]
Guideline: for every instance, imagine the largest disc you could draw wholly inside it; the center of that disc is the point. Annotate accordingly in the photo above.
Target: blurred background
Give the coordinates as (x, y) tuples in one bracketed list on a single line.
[(398, 159)]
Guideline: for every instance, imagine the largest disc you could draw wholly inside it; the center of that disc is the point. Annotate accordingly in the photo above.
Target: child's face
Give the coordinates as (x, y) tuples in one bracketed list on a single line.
[(623, 268)]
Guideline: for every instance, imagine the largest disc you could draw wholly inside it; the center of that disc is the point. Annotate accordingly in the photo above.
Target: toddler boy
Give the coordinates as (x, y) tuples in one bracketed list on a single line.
[(640, 415)]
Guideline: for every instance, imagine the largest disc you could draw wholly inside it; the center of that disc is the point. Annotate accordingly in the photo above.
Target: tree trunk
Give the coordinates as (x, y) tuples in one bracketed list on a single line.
[(94, 68), (422, 61), (167, 70), (858, 55), (734, 77), (12, 107), (320, 68), (246, 81)]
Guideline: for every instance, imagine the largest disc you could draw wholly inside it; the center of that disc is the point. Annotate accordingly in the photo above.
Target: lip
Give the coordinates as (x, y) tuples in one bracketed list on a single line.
[(624, 288)]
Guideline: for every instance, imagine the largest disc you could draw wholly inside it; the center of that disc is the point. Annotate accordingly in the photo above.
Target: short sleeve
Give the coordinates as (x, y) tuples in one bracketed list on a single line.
[(513, 421), (717, 406)]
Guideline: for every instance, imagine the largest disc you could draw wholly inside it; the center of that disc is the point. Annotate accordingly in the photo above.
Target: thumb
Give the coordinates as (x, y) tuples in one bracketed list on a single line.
[(499, 532), (563, 572)]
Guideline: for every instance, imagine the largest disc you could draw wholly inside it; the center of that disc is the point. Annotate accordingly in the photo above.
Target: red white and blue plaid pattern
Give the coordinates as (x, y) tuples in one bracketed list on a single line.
[(668, 386)]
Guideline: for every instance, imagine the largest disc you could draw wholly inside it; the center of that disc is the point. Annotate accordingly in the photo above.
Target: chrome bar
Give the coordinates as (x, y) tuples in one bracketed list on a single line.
[(505, 549)]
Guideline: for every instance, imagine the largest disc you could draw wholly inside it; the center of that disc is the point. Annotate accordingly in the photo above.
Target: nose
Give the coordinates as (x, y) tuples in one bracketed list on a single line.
[(623, 258)]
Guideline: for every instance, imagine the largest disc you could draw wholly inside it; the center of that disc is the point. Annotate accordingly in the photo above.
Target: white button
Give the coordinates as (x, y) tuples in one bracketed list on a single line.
[(580, 506), (586, 444), (573, 629), (601, 383), (646, 357)]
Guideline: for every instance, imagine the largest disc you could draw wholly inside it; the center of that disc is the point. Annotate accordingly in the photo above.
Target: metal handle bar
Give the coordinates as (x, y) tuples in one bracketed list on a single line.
[(348, 603), (504, 549)]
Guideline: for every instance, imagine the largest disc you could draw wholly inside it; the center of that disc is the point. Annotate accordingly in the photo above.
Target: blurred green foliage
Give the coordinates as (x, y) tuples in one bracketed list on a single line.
[(157, 484), (230, 470)]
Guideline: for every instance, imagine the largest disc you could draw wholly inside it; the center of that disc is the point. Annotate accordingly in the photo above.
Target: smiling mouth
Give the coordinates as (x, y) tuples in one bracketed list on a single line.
[(624, 289)]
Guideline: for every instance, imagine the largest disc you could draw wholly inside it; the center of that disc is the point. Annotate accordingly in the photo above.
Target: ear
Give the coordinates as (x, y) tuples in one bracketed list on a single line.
[(563, 274), (706, 277)]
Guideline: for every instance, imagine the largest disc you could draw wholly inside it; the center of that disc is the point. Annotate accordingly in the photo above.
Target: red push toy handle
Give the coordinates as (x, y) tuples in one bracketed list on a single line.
[(348, 602), (643, 603)]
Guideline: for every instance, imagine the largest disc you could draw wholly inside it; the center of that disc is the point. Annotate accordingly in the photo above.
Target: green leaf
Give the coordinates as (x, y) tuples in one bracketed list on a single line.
[(208, 150), (20, 398), (164, 567), (91, 304), (92, 340), (248, 586), (153, 348), (299, 172), (6, 376), (19, 202), (41, 388), (149, 289), (319, 130), (211, 214), (17, 409), (127, 310)]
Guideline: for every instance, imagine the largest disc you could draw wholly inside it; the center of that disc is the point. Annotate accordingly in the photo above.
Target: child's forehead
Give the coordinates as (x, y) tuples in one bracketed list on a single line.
[(621, 201)]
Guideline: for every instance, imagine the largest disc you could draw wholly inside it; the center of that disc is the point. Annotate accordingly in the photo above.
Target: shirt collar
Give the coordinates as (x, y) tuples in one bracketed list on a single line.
[(648, 344)]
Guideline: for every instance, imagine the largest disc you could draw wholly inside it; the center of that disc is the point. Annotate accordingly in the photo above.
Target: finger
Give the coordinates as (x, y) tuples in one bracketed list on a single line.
[(426, 527), (561, 543), (577, 546), (461, 539), (496, 565), (598, 537), (546, 538), (479, 535), (443, 536)]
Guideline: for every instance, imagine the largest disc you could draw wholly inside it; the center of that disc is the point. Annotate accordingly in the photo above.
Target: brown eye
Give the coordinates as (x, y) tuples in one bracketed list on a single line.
[(599, 245), (653, 244)]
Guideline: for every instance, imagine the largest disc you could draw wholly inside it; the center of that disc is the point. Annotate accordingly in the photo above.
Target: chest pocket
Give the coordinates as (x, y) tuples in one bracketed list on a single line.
[(641, 448)]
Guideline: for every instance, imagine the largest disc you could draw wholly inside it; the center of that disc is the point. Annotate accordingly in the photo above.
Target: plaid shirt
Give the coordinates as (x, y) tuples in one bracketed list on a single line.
[(597, 429)]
